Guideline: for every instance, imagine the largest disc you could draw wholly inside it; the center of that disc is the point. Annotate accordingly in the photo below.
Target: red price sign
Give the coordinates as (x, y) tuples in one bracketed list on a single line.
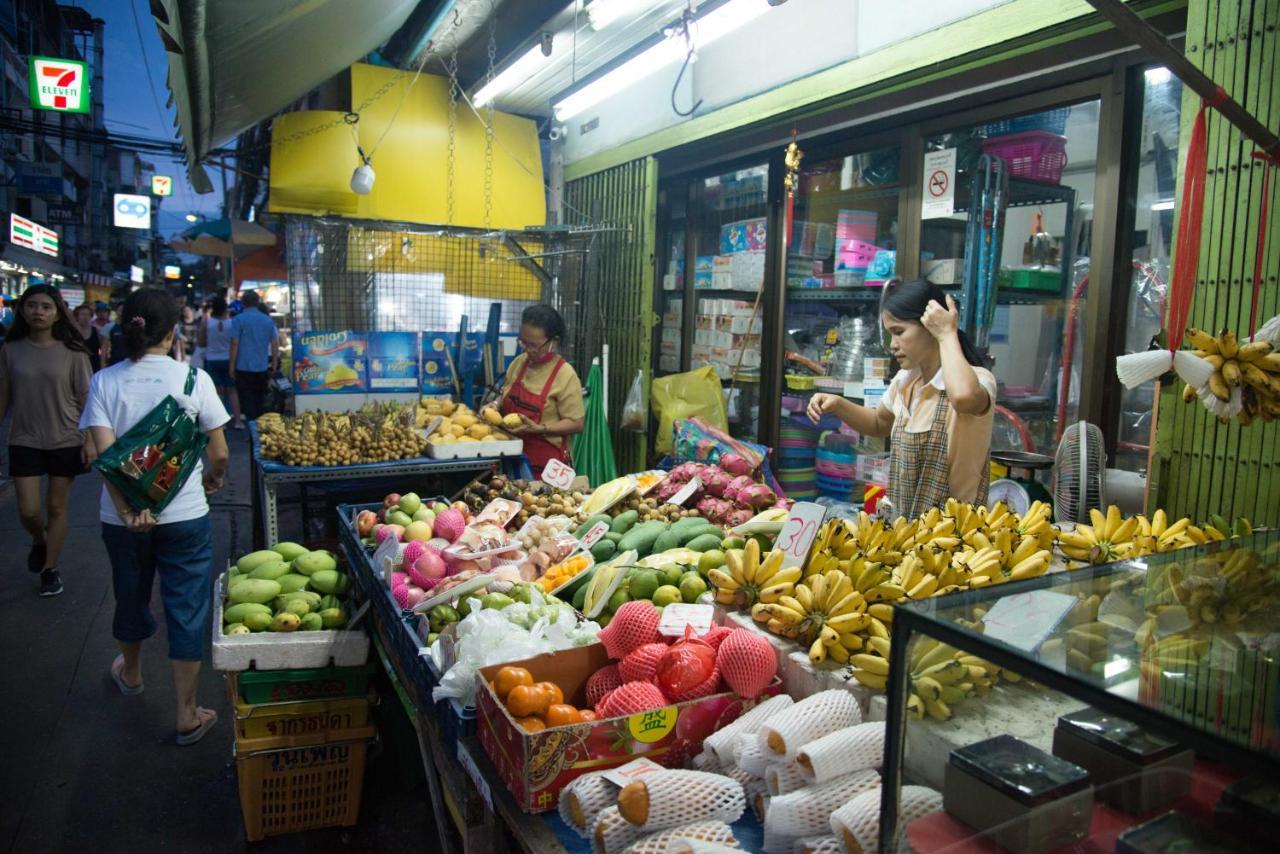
[(598, 530), (558, 474), (799, 531)]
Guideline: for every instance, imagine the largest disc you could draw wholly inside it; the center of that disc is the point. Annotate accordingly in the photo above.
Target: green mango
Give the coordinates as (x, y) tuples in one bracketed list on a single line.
[(269, 570), (311, 623), (235, 629), (259, 590), (289, 551), (313, 562), (344, 582), (332, 618), (250, 561), (285, 622), (292, 582), (258, 621), (233, 580), (239, 613), (325, 580), (580, 598), (328, 601), (296, 606)]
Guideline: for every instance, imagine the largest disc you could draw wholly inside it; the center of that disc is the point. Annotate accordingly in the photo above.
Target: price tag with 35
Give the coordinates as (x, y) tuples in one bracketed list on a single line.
[(558, 474), (591, 537), (798, 532)]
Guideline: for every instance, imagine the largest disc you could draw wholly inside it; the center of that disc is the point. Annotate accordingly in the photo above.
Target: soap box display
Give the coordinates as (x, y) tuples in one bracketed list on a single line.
[(393, 361), (744, 235), (330, 362)]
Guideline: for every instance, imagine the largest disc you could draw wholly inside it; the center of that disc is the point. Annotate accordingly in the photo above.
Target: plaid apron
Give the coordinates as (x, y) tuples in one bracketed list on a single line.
[(919, 477)]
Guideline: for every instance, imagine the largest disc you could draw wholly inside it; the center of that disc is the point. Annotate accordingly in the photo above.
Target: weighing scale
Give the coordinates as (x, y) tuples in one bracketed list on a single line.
[(1019, 492)]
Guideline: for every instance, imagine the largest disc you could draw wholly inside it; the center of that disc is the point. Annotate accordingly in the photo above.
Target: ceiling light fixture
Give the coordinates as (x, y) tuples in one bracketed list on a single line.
[(602, 13), (517, 72), (710, 26)]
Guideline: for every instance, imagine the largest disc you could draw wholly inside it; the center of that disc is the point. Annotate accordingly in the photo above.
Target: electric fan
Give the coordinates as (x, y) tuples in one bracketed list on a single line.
[(1078, 473)]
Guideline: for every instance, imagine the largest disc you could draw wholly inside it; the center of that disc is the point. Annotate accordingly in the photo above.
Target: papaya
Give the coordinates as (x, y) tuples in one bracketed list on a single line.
[(289, 551), (687, 535), (247, 563), (642, 537), (239, 613), (604, 550), (614, 536), (689, 522), (259, 590), (668, 539)]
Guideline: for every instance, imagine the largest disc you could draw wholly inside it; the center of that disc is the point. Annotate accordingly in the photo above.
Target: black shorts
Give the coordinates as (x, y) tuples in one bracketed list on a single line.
[(37, 462)]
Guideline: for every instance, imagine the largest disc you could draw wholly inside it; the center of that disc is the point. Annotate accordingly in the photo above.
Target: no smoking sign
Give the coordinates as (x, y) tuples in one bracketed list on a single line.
[(939, 192), (939, 181)]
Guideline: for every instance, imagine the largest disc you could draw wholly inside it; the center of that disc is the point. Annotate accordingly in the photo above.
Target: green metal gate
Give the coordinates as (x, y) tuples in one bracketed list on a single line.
[(610, 300)]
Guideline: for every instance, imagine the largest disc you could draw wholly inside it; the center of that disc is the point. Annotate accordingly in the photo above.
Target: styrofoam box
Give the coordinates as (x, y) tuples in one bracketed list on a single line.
[(471, 450), (943, 271), (284, 650)]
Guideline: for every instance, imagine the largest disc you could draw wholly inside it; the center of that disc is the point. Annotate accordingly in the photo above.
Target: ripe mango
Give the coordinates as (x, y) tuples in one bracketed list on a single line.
[(285, 622), (260, 590), (270, 570), (333, 618), (326, 580), (247, 563), (240, 613), (313, 562), (235, 629), (311, 623), (296, 606), (288, 550), (258, 621)]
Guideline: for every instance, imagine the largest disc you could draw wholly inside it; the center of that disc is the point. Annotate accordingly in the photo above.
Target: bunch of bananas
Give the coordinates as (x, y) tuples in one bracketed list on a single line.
[(1004, 557), (1224, 587), (1112, 537), (828, 616), (942, 677), (746, 580), (1251, 368)]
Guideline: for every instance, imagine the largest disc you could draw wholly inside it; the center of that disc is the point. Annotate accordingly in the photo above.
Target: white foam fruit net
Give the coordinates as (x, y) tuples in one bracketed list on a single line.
[(689, 837), (682, 797), (584, 798), (750, 757), (810, 719), (777, 843), (857, 823), (841, 752), (722, 741), (817, 845), (689, 846), (807, 811), (611, 833), (784, 778), (744, 777)]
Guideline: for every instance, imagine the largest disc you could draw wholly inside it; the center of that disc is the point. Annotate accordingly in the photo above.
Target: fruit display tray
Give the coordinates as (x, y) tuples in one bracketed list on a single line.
[(284, 650), (474, 450)]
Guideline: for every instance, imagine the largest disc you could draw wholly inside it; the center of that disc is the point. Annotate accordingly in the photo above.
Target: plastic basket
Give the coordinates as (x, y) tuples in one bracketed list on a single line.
[(1053, 121), (294, 783), (315, 683), (297, 717), (1034, 155)]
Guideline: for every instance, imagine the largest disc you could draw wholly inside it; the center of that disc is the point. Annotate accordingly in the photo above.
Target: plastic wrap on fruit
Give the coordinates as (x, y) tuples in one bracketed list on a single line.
[(688, 665)]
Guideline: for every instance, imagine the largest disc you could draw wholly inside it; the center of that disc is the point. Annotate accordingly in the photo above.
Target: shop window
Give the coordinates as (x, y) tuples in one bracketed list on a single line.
[(1036, 219), (670, 296), (1151, 235)]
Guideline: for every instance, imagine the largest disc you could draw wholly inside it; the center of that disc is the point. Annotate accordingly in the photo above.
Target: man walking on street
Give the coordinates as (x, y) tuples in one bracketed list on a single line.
[(254, 357)]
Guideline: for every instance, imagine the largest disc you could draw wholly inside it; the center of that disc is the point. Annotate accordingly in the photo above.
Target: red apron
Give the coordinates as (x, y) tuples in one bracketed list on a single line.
[(538, 450)]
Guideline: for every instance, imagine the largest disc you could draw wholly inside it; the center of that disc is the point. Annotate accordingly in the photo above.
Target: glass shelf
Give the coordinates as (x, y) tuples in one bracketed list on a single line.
[(1180, 645)]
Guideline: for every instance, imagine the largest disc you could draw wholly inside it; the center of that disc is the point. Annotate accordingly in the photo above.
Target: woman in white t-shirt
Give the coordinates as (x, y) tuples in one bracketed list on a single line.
[(178, 544), (215, 338)]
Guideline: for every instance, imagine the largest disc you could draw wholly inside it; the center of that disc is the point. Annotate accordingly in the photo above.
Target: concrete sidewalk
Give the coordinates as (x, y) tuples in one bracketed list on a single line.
[(87, 769)]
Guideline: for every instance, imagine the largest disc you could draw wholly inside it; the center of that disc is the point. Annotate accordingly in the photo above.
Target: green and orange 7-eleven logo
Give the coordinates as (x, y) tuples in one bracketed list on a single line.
[(61, 85)]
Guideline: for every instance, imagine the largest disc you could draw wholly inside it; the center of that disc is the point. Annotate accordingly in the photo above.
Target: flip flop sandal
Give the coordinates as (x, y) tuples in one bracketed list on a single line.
[(192, 736), (117, 677)]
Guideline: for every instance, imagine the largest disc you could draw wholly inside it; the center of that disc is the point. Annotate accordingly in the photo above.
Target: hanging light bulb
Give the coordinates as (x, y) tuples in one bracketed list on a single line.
[(363, 177)]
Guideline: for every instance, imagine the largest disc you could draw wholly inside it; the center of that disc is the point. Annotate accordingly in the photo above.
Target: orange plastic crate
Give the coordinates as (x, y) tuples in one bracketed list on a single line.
[(303, 782)]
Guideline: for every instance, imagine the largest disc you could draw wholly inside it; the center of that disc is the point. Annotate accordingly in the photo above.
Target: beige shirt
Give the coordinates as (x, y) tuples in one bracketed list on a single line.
[(564, 399), (914, 404), (45, 388)]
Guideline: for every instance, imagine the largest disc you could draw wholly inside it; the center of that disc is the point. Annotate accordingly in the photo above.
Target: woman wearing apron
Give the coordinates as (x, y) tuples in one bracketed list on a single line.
[(937, 410), (544, 390)]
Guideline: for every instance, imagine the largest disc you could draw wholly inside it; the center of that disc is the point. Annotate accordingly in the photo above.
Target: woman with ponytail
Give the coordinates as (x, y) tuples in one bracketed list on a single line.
[(938, 409), (176, 545), (44, 380)]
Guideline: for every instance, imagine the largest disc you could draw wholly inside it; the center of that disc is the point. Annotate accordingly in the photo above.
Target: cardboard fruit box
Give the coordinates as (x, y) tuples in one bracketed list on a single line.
[(536, 766)]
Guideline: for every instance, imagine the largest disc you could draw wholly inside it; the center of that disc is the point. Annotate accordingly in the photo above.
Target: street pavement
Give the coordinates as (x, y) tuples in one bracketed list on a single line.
[(88, 769)]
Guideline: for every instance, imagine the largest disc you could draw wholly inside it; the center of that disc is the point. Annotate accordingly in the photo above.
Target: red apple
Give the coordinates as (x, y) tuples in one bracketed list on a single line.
[(392, 500), (365, 520)]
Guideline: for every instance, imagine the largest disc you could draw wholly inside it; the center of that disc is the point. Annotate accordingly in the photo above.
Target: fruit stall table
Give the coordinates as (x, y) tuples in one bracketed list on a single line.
[(269, 475)]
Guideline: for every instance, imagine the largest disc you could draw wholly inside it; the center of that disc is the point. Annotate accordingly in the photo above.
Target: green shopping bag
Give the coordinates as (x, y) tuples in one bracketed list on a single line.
[(151, 462)]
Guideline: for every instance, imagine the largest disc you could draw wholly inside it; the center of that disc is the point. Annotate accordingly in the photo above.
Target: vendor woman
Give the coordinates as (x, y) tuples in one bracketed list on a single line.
[(543, 389), (937, 410)]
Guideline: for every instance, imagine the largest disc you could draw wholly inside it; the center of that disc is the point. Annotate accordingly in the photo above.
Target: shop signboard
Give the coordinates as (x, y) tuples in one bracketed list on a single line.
[(39, 179), (330, 362), (438, 349), (172, 272), (161, 185), (32, 235), (938, 195), (132, 211), (64, 214), (60, 85), (393, 361)]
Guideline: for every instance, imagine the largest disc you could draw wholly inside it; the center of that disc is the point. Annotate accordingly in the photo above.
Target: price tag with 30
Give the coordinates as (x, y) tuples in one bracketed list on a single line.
[(558, 474), (798, 532)]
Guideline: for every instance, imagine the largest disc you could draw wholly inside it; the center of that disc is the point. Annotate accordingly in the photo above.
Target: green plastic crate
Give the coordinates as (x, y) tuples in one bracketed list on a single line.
[(1030, 279), (317, 683)]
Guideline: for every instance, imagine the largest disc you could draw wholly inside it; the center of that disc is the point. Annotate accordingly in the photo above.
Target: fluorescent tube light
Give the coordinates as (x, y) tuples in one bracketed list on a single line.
[(1165, 205), (1158, 75), (720, 21), (602, 13), (517, 72)]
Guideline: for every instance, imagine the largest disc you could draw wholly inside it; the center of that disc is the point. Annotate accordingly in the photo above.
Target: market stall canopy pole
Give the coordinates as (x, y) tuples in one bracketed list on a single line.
[(1148, 38), (231, 65)]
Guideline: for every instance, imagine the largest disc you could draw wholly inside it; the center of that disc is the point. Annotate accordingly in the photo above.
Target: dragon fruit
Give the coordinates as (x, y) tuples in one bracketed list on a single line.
[(757, 496), (735, 464), (716, 481), (683, 473), (713, 508), (668, 488), (734, 518), (736, 485)]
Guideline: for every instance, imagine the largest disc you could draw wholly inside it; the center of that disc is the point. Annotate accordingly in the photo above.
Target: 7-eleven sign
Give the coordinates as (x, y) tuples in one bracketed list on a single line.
[(61, 85), (161, 185), (33, 235)]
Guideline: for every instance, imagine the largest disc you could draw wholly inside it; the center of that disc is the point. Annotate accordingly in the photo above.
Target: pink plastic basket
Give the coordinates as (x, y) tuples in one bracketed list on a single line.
[(1035, 155)]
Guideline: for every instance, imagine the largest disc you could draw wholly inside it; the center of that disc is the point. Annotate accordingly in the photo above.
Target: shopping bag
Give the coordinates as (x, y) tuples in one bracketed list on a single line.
[(634, 412), (151, 462), (698, 441), (695, 394)]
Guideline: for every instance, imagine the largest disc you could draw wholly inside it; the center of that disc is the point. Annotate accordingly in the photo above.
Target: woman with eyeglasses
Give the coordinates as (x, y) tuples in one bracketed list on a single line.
[(543, 390), (938, 409)]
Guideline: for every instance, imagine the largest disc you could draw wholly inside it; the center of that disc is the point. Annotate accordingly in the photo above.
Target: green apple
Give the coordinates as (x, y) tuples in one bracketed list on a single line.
[(410, 503), (399, 517), (617, 600), (423, 514)]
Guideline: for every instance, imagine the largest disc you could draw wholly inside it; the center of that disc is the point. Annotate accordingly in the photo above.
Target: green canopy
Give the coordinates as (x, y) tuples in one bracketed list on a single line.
[(592, 448)]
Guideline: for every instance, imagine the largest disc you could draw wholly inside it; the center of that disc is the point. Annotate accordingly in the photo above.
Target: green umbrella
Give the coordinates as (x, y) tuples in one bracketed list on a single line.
[(592, 448)]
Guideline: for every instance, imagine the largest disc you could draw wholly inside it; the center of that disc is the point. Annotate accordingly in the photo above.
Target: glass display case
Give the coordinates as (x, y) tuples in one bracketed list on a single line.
[(1119, 707)]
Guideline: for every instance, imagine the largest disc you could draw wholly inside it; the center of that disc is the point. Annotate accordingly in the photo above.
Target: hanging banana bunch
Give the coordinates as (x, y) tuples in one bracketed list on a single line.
[(1245, 383)]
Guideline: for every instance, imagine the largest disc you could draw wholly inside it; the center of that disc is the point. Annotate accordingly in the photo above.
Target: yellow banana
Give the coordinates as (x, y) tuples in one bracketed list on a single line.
[(873, 663), (871, 680)]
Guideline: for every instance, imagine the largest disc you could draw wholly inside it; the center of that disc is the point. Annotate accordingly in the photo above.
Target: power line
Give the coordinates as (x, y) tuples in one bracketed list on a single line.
[(146, 63)]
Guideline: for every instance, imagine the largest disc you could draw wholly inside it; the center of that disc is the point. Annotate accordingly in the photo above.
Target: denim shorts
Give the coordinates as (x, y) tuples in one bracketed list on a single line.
[(182, 554), (219, 371)]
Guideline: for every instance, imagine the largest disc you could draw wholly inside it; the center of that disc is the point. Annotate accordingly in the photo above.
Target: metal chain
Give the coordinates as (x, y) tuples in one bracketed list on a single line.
[(452, 69), (488, 125)]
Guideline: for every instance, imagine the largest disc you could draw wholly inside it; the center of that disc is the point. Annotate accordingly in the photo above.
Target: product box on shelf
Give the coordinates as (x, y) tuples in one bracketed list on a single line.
[(668, 347), (855, 254), (857, 225), (674, 315), (671, 333), (668, 363), (943, 271), (747, 234), (536, 766), (672, 282)]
